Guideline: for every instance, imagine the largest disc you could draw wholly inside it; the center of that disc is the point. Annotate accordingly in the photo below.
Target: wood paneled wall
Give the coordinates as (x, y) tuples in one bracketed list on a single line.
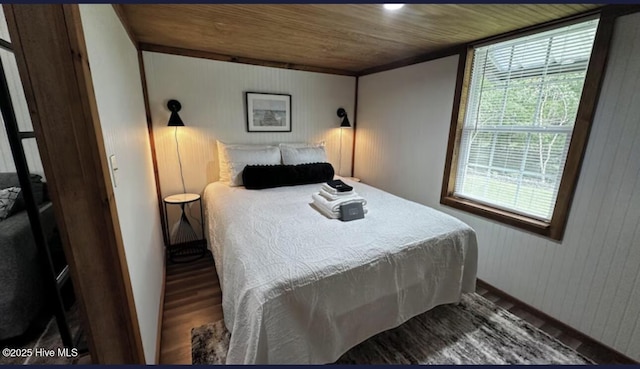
[(212, 97), (52, 59), (591, 280)]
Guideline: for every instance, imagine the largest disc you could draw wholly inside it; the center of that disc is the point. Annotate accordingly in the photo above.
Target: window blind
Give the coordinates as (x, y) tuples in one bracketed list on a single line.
[(522, 103)]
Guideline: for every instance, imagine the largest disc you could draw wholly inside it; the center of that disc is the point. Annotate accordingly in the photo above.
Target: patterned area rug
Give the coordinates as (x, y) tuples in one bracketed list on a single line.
[(474, 332)]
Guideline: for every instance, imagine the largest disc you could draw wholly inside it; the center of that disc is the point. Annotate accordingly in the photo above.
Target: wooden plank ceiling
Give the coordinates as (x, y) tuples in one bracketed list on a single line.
[(351, 38)]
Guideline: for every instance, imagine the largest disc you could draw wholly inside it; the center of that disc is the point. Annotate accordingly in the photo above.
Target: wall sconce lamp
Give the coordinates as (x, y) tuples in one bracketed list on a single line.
[(182, 230), (344, 124), (345, 120), (174, 120)]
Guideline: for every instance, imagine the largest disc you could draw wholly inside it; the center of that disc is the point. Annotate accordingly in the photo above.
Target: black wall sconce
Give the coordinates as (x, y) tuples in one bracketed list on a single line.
[(184, 232), (345, 120), (344, 124), (174, 120)]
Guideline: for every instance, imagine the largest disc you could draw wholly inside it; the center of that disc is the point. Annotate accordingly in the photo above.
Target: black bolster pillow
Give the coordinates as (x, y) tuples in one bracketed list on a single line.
[(257, 177)]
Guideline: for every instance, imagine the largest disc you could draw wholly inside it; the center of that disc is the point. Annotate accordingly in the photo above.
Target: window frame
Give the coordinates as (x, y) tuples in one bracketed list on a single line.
[(554, 228)]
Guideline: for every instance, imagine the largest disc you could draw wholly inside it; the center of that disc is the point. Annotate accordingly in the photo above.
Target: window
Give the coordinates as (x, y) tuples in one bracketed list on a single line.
[(513, 131)]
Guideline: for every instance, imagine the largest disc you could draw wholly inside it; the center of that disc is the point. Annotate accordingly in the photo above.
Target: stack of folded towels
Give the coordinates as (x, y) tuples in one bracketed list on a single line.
[(329, 200)]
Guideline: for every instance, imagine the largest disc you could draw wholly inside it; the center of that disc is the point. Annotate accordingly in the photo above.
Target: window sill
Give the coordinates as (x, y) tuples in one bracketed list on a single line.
[(502, 216)]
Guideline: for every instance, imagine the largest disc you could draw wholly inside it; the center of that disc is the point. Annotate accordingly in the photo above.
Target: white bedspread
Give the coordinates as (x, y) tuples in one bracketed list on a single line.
[(301, 288)]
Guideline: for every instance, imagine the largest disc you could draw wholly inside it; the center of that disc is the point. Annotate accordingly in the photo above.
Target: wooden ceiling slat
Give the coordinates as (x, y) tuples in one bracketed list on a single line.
[(342, 37)]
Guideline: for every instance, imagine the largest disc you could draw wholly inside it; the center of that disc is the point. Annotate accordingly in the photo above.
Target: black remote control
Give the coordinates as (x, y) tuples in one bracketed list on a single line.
[(340, 186)]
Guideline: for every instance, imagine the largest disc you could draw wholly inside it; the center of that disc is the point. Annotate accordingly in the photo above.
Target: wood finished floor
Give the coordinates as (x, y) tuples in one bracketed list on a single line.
[(584, 345), (193, 297)]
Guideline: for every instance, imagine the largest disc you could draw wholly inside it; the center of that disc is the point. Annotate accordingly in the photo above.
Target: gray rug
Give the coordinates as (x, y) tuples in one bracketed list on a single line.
[(474, 332)]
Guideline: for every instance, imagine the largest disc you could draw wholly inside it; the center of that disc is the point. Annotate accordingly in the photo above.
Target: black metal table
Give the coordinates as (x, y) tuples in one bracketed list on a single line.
[(187, 246)]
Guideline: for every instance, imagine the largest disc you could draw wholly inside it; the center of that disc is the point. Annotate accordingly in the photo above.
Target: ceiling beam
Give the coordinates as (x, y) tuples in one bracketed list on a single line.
[(442, 53), (242, 60)]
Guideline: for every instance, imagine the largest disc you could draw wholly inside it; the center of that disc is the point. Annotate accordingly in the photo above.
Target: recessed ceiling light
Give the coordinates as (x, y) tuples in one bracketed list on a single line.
[(393, 6)]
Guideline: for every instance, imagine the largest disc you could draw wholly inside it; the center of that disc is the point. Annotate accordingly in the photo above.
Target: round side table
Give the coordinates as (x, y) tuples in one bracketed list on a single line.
[(187, 245)]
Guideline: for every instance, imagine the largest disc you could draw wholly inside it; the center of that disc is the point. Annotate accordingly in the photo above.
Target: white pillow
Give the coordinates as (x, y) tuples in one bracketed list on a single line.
[(233, 159), (294, 155), (223, 157)]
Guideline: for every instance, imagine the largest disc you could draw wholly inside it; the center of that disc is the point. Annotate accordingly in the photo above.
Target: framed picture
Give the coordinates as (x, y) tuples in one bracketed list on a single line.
[(268, 112)]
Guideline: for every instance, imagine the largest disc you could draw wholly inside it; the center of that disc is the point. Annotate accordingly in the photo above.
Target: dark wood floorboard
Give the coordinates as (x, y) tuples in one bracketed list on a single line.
[(587, 346), (193, 298)]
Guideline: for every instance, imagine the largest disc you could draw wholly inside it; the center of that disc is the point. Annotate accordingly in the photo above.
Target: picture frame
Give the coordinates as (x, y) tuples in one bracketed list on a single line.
[(268, 112)]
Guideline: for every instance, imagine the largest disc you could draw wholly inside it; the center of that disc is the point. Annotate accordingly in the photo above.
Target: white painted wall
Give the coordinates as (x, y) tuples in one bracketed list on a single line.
[(116, 78), (591, 280), (213, 107)]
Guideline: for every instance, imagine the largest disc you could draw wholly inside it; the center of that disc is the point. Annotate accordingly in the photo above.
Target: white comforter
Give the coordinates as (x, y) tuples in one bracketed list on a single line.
[(301, 288)]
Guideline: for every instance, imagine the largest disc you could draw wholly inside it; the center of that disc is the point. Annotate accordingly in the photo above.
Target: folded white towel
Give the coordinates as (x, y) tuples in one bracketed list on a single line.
[(326, 212), (333, 191), (333, 197), (334, 205), (330, 214)]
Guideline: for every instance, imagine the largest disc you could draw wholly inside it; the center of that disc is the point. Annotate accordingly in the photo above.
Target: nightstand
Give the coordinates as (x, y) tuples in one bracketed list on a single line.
[(355, 179), (186, 245)]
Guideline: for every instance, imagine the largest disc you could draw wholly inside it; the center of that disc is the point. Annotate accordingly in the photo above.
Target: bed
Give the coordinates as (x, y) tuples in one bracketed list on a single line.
[(300, 288)]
